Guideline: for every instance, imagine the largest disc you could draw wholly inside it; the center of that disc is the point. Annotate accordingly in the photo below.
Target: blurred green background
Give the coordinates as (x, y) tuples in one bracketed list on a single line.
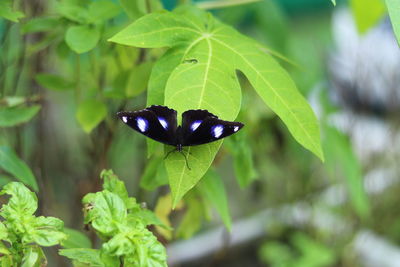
[(286, 206)]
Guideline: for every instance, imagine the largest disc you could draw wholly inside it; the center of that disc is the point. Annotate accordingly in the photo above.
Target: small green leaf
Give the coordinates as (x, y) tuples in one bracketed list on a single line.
[(107, 212), (212, 187), (30, 258), (48, 231), (82, 39), (100, 11), (7, 12), (13, 101), (367, 13), (53, 82), (75, 239), (83, 255), (3, 232), (72, 12), (10, 162), (333, 2), (22, 203), (393, 6), (12, 116), (116, 186), (90, 113), (40, 24)]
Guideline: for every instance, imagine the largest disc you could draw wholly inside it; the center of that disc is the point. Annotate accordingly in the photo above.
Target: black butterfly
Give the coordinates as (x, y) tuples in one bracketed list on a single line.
[(160, 123)]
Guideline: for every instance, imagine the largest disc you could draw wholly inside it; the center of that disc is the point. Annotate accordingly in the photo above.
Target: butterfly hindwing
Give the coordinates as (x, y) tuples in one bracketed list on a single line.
[(201, 127), (155, 122)]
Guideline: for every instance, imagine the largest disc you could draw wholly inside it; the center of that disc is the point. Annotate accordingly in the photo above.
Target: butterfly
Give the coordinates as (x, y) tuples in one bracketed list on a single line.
[(160, 124)]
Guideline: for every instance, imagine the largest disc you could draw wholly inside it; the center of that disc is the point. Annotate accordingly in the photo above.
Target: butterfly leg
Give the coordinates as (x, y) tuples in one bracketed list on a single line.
[(183, 154)]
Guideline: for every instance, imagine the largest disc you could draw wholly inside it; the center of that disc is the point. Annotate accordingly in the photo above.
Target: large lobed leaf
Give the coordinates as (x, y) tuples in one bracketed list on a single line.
[(199, 72)]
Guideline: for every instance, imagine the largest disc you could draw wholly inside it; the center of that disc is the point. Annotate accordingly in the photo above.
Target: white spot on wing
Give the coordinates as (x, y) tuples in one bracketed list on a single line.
[(142, 124), (217, 130), (195, 125), (236, 128), (163, 122), (125, 119)]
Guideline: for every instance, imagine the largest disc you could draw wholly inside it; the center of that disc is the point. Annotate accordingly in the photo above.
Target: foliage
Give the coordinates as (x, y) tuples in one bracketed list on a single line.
[(121, 224), (393, 7), (23, 234)]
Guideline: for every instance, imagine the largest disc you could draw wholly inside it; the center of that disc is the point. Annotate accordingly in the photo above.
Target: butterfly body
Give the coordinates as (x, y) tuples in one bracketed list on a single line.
[(160, 124)]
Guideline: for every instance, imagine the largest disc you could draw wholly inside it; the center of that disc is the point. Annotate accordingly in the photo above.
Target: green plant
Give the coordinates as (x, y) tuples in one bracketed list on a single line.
[(23, 234)]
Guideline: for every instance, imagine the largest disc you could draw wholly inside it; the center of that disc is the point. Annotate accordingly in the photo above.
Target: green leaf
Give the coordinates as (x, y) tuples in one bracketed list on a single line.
[(138, 79), (7, 12), (53, 82), (341, 159), (90, 113), (30, 258), (12, 116), (154, 174), (138, 8), (73, 12), (82, 39), (107, 212), (13, 101), (100, 11), (3, 232), (48, 231), (206, 79), (83, 255), (40, 24), (10, 162), (75, 239), (333, 2), (212, 187), (192, 219), (393, 6), (367, 13), (22, 203), (115, 185)]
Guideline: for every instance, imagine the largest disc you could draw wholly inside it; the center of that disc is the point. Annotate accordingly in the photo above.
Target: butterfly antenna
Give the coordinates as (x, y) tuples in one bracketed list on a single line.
[(187, 163), (173, 150)]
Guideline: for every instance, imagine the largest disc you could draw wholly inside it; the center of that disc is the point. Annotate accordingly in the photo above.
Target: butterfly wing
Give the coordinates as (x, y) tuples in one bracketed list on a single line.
[(155, 122), (201, 127)]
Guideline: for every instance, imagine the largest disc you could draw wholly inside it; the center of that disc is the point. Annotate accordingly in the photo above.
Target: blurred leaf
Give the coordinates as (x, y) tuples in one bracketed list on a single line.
[(72, 12), (82, 39), (14, 100), (12, 116), (76, 239), (341, 158), (215, 90), (90, 113), (223, 3), (83, 255), (100, 11), (154, 174), (40, 24), (212, 187), (138, 79), (4, 179), (276, 254), (53, 82), (367, 13), (393, 7), (313, 254), (30, 258), (162, 210), (333, 2), (7, 12), (192, 219), (10, 162)]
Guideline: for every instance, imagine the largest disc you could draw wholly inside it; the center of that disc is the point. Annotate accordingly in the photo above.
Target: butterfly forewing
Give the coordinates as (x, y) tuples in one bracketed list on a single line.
[(201, 127), (155, 122)]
